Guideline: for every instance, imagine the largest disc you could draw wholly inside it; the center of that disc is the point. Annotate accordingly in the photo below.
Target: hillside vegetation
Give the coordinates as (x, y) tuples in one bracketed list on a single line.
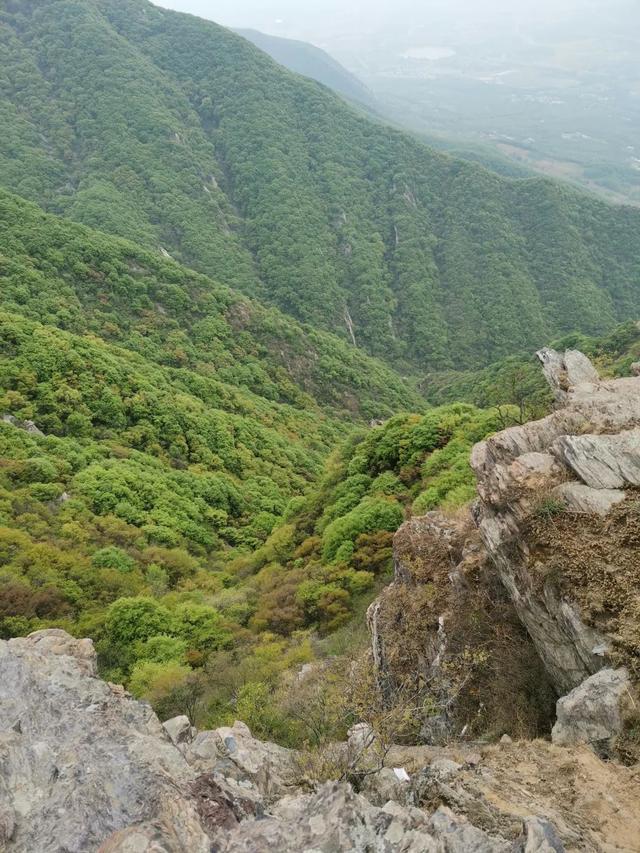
[(174, 422), (218, 285), (179, 134), (84, 282)]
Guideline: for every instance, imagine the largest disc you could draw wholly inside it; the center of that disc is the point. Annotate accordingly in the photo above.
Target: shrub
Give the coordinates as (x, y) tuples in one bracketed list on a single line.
[(113, 558)]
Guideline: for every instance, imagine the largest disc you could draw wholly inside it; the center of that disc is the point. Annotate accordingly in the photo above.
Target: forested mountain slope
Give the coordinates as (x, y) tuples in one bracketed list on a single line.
[(311, 61), (179, 134), (152, 424), (69, 276)]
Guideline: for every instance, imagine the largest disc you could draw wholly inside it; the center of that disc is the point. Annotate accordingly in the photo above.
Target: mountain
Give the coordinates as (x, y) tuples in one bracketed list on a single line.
[(180, 135), (310, 61), (82, 281), (206, 481)]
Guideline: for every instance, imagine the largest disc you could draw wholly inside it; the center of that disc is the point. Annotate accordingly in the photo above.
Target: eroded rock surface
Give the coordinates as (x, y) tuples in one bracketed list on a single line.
[(447, 622), (556, 548), (84, 767), (79, 761), (593, 712), (581, 460)]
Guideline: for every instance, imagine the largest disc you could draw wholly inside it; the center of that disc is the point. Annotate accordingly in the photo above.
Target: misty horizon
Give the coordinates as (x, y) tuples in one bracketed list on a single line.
[(289, 18)]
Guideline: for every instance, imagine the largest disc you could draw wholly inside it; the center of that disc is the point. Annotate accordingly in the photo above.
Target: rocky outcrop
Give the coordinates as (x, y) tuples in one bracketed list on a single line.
[(26, 426), (568, 797), (84, 767), (578, 498), (179, 729), (446, 632), (567, 371), (234, 752), (582, 459), (80, 759), (554, 549)]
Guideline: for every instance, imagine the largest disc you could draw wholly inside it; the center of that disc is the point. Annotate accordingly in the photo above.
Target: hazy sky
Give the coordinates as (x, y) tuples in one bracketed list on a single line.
[(325, 15), (359, 32)]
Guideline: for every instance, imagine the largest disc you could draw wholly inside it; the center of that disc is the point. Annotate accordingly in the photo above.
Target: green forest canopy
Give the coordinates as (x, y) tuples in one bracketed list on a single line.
[(180, 135)]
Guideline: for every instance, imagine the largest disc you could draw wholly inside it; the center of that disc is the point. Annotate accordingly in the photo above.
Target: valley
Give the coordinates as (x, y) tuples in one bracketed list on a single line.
[(318, 444)]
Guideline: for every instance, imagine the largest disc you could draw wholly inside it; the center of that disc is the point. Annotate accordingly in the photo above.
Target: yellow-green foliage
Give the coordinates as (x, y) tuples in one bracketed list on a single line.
[(336, 541)]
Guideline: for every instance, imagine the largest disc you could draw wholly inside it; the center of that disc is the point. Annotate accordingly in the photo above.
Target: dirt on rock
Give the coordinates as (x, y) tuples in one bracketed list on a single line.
[(594, 805)]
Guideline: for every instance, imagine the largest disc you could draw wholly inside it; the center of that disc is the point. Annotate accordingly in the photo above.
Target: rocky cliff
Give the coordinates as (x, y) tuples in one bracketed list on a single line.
[(553, 544), (87, 768)]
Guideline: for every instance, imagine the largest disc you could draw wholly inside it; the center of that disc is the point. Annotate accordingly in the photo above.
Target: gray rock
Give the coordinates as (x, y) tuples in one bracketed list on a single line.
[(583, 499), (541, 837), (360, 737), (566, 371), (579, 369), (595, 434), (443, 768), (635, 368), (82, 760), (603, 461), (384, 786), (235, 753), (27, 426), (179, 729), (459, 836), (336, 819), (593, 712), (176, 830), (331, 820), (86, 768)]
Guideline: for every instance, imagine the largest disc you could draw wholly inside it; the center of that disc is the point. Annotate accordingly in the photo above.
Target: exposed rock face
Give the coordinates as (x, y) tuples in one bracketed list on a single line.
[(566, 371), (571, 798), (27, 426), (558, 520), (602, 461), (522, 472), (84, 767), (583, 499), (234, 752), (179, 729), (593, 712), (80, 761), (447, 623)]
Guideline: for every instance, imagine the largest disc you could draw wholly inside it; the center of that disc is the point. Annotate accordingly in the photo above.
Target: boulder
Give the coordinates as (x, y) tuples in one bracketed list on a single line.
[(179, 729), (79, 760), (233, 752), (566, 371), (593, 713), (385, 785), (602, 461), (460, 836), (360, 737)]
